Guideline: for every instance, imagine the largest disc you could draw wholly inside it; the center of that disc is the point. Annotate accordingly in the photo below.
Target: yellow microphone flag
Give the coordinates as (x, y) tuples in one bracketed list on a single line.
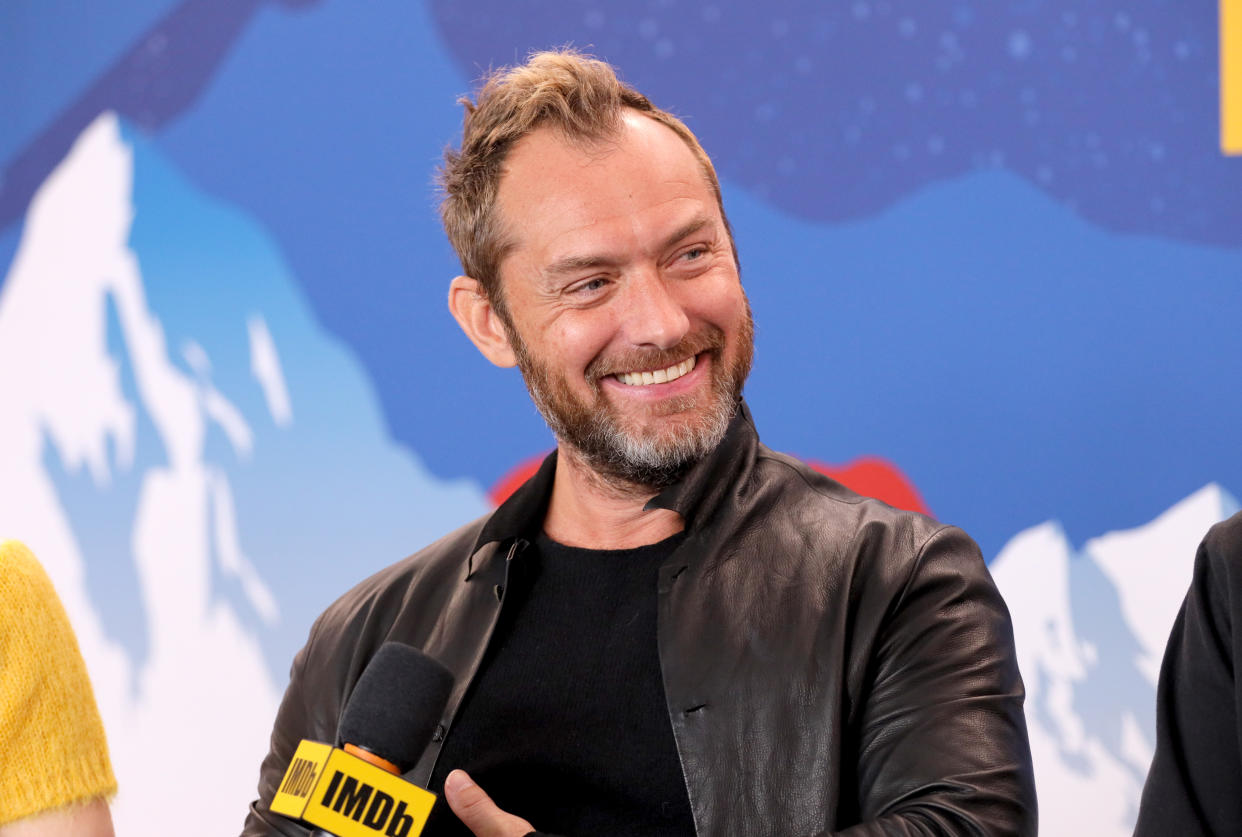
[(349, 797)]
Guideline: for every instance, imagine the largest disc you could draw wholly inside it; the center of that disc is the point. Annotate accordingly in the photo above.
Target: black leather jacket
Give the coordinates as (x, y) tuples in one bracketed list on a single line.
[(831, 665)]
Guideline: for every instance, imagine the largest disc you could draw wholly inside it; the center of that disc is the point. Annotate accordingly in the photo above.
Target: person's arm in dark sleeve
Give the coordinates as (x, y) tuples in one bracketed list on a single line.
[(296, 719), (943, 746), (1194, 785)]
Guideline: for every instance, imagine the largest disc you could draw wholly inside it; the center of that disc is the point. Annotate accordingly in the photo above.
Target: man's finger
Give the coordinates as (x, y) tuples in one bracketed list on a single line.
[(477, 811)]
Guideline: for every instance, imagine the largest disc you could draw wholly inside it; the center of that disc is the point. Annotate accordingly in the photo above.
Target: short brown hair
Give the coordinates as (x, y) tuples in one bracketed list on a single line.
[(569, 90)]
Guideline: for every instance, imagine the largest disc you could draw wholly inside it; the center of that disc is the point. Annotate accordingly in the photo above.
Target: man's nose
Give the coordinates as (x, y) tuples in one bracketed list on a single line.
[(654, 314)]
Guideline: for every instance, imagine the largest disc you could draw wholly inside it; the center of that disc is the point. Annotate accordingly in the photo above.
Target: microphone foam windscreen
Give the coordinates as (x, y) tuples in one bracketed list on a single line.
[(396, 704)]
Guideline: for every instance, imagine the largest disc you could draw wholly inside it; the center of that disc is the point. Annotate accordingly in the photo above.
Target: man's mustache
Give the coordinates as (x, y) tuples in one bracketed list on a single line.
[(709, 338)]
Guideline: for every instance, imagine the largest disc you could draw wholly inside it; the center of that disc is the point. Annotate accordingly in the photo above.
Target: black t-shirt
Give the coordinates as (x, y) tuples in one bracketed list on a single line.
[(566, 723)]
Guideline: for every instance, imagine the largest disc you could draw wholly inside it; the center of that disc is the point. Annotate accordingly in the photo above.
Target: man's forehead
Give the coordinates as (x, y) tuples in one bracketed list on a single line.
[(555, 190)]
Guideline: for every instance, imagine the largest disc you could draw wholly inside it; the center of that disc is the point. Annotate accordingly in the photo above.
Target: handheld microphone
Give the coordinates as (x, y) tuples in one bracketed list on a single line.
[(357, 790)]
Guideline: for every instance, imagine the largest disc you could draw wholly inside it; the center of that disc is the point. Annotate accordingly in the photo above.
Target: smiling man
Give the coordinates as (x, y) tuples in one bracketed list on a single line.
[(670, 629), (621, 302)]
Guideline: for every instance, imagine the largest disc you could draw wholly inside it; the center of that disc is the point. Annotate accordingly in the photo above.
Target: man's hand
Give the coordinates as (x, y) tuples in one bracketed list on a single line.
[(476, 809)]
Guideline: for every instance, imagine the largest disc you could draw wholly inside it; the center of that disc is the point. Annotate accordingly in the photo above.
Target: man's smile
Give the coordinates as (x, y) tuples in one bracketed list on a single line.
[(658, 376)]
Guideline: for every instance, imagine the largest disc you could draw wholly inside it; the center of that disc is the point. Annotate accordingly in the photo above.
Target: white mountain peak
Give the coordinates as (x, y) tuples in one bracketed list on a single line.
[(72, 252), (1151, 567), (189, 529), (74, 260), (1090, 627)]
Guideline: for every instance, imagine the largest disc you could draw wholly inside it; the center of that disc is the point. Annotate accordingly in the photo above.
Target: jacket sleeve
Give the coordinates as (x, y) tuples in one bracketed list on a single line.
[(295, 720), (942, 741), (1194, 785)]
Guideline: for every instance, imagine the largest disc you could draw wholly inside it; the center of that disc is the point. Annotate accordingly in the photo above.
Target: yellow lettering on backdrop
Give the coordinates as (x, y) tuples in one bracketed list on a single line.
[(1231, 76)]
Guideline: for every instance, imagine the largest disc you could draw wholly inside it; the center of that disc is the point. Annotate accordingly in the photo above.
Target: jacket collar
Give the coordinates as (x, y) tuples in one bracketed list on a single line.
[(521, 516), (711, 481), (701, 491)]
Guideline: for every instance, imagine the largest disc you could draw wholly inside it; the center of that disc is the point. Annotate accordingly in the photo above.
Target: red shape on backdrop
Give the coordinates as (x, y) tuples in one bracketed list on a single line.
[(878, 478), (867, 475), (510, 482)]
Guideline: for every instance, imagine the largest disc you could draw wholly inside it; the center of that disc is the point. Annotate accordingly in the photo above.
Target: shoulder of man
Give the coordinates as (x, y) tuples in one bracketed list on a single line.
[(1224, 540), (402, 602), (827, 519), (410, 590), (1217, 579)]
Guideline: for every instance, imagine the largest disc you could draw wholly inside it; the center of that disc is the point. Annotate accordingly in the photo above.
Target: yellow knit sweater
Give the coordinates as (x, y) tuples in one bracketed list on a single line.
[(52, 746)]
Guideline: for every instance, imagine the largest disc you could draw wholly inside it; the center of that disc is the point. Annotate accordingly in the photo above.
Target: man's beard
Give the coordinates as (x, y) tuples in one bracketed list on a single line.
[(642, 455)]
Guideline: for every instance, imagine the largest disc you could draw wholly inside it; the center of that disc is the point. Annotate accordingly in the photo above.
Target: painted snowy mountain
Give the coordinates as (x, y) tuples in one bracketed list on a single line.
[(200, 469), (1090, 626)]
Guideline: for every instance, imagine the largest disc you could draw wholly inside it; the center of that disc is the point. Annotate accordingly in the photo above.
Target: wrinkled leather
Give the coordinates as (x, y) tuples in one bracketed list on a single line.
[(831, 665)]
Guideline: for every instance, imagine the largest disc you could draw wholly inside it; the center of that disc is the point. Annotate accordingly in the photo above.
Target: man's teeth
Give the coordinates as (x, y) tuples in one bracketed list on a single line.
[(660, 376)]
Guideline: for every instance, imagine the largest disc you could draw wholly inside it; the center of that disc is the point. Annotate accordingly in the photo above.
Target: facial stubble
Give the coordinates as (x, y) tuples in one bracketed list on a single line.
[(643, 456)]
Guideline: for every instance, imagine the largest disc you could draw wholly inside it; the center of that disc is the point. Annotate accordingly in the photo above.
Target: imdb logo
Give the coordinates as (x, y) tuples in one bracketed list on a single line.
[(348, 797)]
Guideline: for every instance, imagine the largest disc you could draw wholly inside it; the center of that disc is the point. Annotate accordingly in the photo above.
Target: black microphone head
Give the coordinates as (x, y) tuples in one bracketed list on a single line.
[(396, 704)]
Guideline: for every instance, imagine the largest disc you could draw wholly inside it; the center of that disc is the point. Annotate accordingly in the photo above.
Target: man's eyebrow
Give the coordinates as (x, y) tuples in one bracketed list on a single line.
[(573, 264), (689, 228)]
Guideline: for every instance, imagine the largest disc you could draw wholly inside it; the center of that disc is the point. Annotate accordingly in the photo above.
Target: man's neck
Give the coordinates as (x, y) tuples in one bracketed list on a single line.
[(587, 510)]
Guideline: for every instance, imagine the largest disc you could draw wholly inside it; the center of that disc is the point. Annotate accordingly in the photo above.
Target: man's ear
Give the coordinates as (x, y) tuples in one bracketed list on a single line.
[(477, 317)]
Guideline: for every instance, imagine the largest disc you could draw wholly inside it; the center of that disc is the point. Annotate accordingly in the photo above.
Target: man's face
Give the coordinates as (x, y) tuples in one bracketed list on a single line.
[(626, 310)]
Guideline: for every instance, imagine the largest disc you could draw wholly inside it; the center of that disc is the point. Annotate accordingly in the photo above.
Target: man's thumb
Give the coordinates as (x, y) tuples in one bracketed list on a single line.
[(477, 811)]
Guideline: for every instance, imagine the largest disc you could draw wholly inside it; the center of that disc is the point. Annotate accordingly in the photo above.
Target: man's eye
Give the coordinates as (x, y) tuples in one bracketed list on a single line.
[(694, 253), (590, 285)]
